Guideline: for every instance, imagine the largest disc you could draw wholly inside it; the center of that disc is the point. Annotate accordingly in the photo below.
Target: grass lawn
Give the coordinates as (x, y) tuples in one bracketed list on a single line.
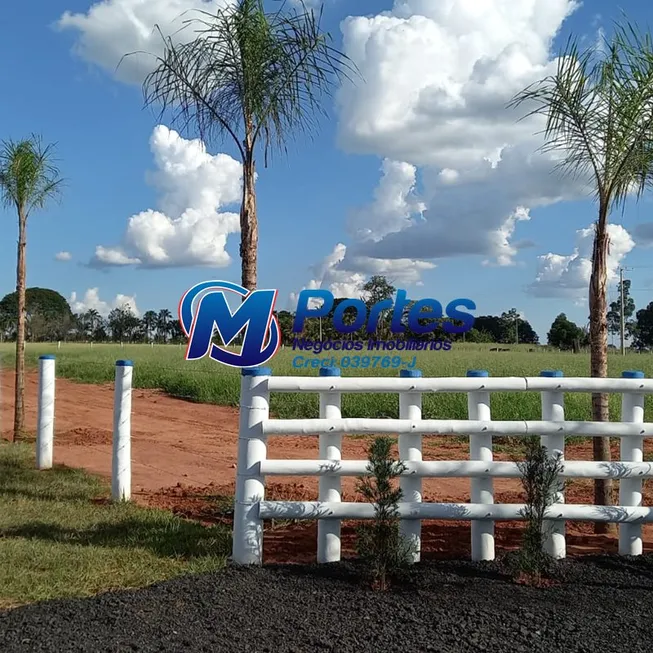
[(163, 367), (59, 537)]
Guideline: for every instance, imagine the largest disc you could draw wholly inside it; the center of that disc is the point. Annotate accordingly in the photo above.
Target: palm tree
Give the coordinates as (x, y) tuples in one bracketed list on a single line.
[(28, 180), (149, 322), (598, 110), (95, 322), (163, 323), (252, 78)]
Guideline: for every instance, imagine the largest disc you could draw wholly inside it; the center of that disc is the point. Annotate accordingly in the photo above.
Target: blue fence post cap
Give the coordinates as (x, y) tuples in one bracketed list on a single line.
[(478, 373), (410, 374), (329, 371), (47, 357), (551, 373), (632, 374), (257, 371), (124, 364)]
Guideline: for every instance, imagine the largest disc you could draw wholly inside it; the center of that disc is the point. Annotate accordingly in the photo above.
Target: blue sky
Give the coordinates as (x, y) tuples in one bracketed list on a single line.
[(308, 199)]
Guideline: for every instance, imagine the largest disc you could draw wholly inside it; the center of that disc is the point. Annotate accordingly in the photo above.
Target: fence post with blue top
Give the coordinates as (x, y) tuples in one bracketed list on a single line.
[(121, 463), (632, 450), (410, 450), (328, 530), (482, 488), (553, 410), (252, 451)]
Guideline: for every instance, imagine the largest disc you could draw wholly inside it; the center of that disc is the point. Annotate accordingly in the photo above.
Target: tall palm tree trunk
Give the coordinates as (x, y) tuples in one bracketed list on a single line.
[(599, 356), (248, 218), (19, 406)]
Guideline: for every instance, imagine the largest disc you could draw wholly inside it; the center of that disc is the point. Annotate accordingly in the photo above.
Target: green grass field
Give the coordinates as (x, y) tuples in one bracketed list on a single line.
[(163, 367), (60, 538)]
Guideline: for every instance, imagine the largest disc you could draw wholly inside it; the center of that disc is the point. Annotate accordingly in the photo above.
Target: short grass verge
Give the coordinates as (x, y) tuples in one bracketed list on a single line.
[(61, 537)]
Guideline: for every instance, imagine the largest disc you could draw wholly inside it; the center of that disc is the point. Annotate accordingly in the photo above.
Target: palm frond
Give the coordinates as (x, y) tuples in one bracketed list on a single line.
[(248, 75), (598, 111), (29, 177)]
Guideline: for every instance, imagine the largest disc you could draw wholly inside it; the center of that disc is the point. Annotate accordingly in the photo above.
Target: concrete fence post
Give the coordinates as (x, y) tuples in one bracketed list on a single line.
[(553, 410), (328, 530), (632, 450), (45, 415), (252, 451), (122, 406), (410, 450), (482, 488)]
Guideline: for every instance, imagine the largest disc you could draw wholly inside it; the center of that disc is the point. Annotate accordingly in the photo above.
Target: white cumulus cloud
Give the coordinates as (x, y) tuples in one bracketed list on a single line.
[(63, 256), (345, 276), (188, 228), (567, 276), (111, 29), (92, 301), (437, 79), (395, 207)]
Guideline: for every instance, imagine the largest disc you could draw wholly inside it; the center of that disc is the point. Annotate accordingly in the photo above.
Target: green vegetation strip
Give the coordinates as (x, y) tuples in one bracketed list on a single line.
[(59, 537), (163, 367)]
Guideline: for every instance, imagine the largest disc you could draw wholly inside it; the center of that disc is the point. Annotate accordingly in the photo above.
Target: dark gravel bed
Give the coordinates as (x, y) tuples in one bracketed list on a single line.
[(599, 604)]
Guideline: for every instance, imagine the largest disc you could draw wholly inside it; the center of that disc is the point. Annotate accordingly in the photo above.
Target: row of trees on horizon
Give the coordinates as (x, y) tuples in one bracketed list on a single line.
[(49, 318)]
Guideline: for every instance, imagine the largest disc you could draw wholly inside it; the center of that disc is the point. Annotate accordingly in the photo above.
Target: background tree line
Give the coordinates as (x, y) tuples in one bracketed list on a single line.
[(49, 318), (638, 326)]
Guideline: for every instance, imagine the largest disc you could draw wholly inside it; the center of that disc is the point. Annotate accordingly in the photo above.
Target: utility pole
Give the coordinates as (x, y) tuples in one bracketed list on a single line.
[(623, 319)]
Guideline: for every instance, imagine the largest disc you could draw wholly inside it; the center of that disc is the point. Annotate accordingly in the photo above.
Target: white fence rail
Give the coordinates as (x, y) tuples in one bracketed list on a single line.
[(253, 466)]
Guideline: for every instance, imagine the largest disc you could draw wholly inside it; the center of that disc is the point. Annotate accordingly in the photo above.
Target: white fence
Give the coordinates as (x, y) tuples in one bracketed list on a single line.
[(121, 457), (251, 508)]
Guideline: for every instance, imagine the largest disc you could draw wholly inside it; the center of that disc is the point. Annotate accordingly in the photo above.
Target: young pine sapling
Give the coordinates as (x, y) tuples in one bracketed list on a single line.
[(540, 478), (380, 543)]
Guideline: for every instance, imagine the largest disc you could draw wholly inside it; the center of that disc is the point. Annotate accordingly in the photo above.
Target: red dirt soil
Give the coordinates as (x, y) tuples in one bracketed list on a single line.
[(184, 459)]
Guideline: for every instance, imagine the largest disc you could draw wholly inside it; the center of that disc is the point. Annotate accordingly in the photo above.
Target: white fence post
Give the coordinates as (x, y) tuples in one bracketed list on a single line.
[(121, 463), (252, 450), (45, 417), (482, 489), (410, 449), (328, 530), (630, 489), (553, 410)]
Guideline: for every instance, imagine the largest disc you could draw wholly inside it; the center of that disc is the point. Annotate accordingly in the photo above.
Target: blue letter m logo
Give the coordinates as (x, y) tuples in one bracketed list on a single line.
[(254, 318)]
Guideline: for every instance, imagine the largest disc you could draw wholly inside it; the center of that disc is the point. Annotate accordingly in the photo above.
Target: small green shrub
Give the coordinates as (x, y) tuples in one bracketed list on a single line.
[(540, 480), (379, 543)]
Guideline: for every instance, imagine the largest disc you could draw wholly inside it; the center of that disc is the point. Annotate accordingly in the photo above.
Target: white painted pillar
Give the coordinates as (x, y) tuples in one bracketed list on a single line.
[(553, 410), (632, 450), (121, 472), (482, 489), (45, 415), (252, 450), (410, 449), (328, 530)]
